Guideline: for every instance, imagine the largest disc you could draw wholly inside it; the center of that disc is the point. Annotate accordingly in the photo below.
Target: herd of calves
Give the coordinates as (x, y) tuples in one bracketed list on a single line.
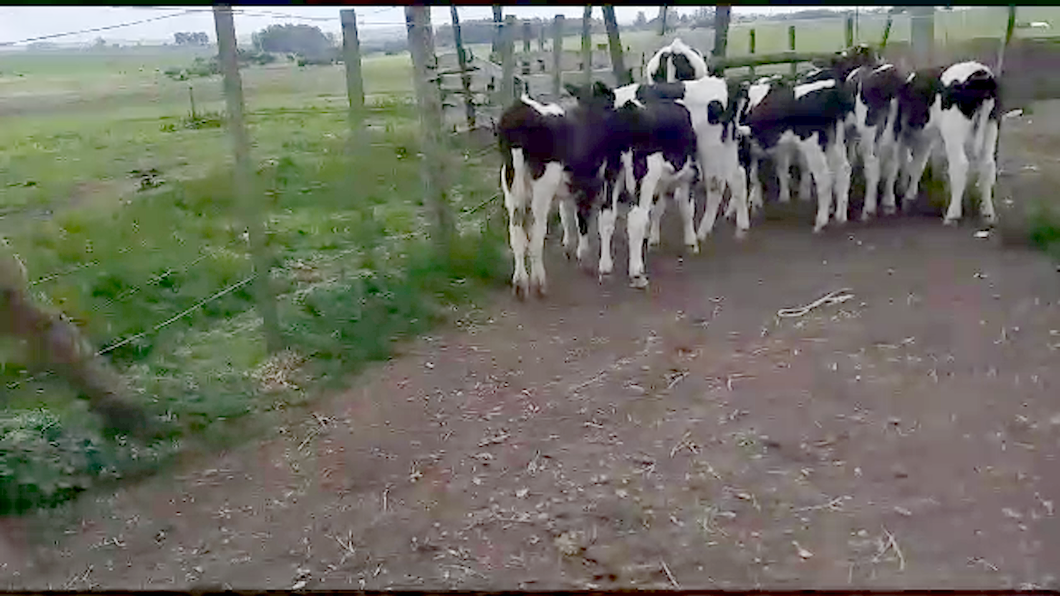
[(641, 142)]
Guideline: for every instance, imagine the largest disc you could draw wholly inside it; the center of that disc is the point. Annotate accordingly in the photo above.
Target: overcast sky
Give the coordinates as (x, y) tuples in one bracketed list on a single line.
[(21, 23)]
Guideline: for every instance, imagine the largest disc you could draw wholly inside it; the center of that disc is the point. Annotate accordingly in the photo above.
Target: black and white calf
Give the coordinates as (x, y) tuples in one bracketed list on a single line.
[(675, 62), (959, 105), (812, 116), (550, 152), (668, 120), (659, 159)]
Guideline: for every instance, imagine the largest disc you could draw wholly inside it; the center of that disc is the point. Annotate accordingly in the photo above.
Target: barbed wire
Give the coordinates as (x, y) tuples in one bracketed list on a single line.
[(95, 29)]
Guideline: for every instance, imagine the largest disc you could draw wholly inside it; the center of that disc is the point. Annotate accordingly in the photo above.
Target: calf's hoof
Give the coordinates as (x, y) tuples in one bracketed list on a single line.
[(570, 252), (990, 220), (603, 277), (949, 222), (521, 289), (692, 248), (741, 234), (540, 289), (867, 215), (890, 210), (639, 282), (585, 266)]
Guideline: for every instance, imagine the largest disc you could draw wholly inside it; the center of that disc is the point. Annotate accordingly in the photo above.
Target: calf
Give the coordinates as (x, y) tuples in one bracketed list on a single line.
[(658, 158), (812, 116), (958, 104), (548, 151), (675, 62)]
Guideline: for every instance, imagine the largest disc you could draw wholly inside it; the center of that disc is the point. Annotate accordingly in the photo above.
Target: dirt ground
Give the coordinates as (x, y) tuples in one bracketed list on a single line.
[(681, 437)]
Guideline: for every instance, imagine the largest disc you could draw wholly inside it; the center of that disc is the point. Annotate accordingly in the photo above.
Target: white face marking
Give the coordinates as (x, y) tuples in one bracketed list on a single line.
[(625, 93), (958, 73), (909, 79), (756, 94), (883, 68), (801, 90), (549, 109), (853, 73)]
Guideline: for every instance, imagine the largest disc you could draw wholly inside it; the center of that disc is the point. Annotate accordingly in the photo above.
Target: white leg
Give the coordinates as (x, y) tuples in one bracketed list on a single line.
[(710, 214), (867, 144), (954, 138), (890, 158), (516, 203), (736, 178), (917, 158), (840, 170), (755, 192), (805, 177), (638, 220), (583, 240), (543, 191), (606, 224), (566, 220), (988, 173), (657, 211), (822, 178), (783, 163), (683, 196)]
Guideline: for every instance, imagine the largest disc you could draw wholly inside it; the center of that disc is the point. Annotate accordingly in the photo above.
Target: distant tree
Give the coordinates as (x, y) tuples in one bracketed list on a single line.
[(641, 20), (703, 18), (197, 38), (304, 40), (100, 43)]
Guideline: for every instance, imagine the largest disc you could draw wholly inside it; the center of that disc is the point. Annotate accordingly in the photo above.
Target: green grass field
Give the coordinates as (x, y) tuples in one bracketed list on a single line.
[(354, 269)]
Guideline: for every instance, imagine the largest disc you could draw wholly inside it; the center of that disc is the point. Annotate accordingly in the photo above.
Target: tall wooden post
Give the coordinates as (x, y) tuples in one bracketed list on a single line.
[(351, 56), (244, 176), (527, 37), (465, 75), (791, 46), (507, 49), (662, 19), (721, 33), (614, 42), (541, 36), (886, 32), (849, 31), (557, 56), (1009, 28), (498, 20), (751, 49), (428, 99), (587, 45)]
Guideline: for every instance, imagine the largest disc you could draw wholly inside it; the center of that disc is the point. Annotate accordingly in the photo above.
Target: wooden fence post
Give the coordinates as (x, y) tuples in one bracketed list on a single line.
[(244, 176), (507, 49), (1009, 28), (541, 36), (662, 20), (721, 33), (614, 41), (849, 31), (55, 343), (465, 75), (886, 32), (587, 45), (421, 47), (351, 56), (751, 49), (557, 56), (498, 19), (791, 46), (527, 36)]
